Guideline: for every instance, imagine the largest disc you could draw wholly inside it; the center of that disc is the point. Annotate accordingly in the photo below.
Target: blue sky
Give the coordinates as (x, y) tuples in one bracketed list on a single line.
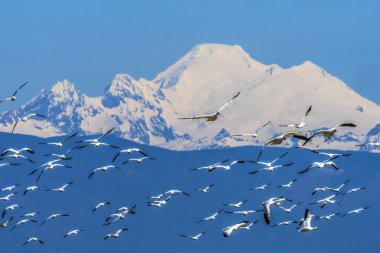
[(88, 42)]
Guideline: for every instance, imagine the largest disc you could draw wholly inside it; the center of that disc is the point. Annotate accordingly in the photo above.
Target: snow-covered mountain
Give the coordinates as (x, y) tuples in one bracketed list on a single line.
[(200, 82)]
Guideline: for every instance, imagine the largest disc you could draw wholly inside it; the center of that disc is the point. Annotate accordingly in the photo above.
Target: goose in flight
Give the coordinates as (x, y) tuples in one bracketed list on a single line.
[(213, 116), (327, 217), (354, 190), (126, 209), (268, 203), (13, 97), (10, 208), (100, 204), (210, 167), (236, 205), (60, 189), (59, 144), (98, 144), (64, 155), (103, 169), (129, 151), (305, 225), (8, 197), (337, 189), (205, 189), (29, 215), (289, 210), (31, 188), (271, 168), (333, 155), (6, 223), (230, 229), (320, 189), (248, 227), (328, 200), (211, 217), (48, 166), (17, 151), (54, 216), (159, 203), (260, 188), (21, 222), (288, 185), (328, 133), (302, 123), (10, 188), (138, 160), (73, 232), (244, 212), (25, 119), (194, 238), (33, 239), (176, 192), (15, 156), (116, 234), (355, 211), (96, 140), (254, 134), (9, 164), (158, 197), (281, 138), (321, 165), (115, 217), (284, 223)]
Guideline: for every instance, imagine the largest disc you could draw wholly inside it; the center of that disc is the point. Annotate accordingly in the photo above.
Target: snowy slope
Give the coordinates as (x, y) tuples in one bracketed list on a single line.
[(200, 82)]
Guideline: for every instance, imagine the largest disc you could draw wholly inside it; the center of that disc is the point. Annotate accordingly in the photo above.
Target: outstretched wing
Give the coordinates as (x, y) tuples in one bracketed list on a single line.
[(19, 88), (221, 108), (306, 114), (262, 126), (68, 138), (109, 131)]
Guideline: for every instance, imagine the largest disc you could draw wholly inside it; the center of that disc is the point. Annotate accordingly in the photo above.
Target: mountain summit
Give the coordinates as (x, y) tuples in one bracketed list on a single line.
[(200, 82)]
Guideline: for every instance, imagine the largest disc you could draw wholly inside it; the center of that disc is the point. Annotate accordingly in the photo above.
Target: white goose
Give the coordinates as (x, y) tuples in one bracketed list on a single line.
[(328, 200), (355, 211), (15, 156), (159, 203), (54, 216), (302, 123), (337, 189), (236, 205), (10, 188), (248, 227), (277, 140), (129, 151), (17, 151), (21, 222), (97, 140), (195, 237), (230, 229), (31, 188), (261, 188), (320, 165), (100, 204), (73, 232), (244, 212), (211, 217), (29, 215), (354, 190), (33, 239), (176, 192), (213, 116), (210, 167), (254, 134), (288, 185), (268, 203), (116, 234), (289, 210), (60, 189), (6, 223), (25, 119), (271, 168), (8, 197), (13, 97), (306, 223), (59, 144), (138, 160), (327, 217), (103, 169), (205, 189), (10, 208)]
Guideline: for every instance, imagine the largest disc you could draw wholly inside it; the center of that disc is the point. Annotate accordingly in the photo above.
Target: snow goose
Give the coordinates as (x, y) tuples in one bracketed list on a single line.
[(96, 140), (73, 232), (25, 119), (261, 188), (126, 209), (17, 151), (354, 190), (328, 133), (248, 227), (6, 223), (306, 223), (103, 169), (10, 188), (302, 123), (33, 239), (210, 167), (236, 205), (288, 185), (21, 222), (59, 144), (138, 160), (195, 237), (15, 156), (129, 151), (355, 211), (243, 212), (116, 234), (29, 215), (254, 134), (289, 210), (268, 203), (328, 200), (321, 165), (230, 229), (8, 197), (211, 217), (327, 217), (10, 208), (205, 189), (60, 189), (100, 204), (271, 168), (54, 216), (277, 140), (213, 116), (176, 192), (159, 203), (337, 189), (13, 97), (31, 188)]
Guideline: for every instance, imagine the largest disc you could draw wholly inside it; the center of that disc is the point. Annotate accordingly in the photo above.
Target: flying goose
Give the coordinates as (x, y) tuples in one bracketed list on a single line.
[(176, 192), (99, 205), (138, 160), (158, 197), (244, 212), (354, 190), (328, 200), (271, 168), (59, 144), (248, 227), (17, 151), (60, 189), (261, 188), (8, 164), (73, 232), (8, 197), (327, 217), (98, 144), (332, 155), (10, 208), (13, 97), (125, 209), (321, 165), (284, 223), (115, 217), (213, 116), (289, 210), (64, 155), (288, 185), (29, 215), (302, 123), (103, 169), (97, 139), (355, 211), (31, 188), (33, 239), (305, 225), (336, 190), (129, 151), (328, 133), (6, 223), (194, 238), (277, 140), (236, 205), (49, 166), (254, 134), (54, 216), (205, 189), (268, 203), (230, 229), (210, 167), (15, 156), (211, 217), (116, 234), (25, 119), (159, 203), (21, 222), (10, 188)]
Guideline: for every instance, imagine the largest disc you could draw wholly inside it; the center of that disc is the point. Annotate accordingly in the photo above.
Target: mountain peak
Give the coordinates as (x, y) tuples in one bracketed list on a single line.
[(64, 89)]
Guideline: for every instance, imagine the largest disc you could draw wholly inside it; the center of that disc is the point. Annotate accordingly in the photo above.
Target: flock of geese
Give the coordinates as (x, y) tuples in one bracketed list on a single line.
[(14, 156)]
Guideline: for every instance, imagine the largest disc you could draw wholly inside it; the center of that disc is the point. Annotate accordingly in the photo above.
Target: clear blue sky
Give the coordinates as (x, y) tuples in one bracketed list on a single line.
[(88, 42)]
